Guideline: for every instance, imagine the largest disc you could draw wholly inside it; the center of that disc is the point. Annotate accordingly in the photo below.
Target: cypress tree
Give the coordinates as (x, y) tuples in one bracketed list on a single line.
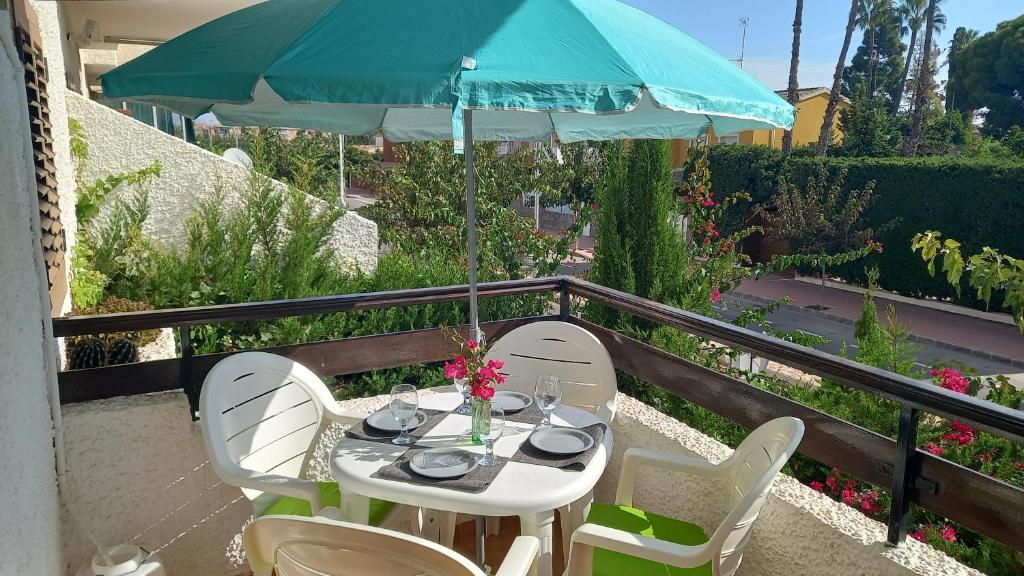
[(638, 250)]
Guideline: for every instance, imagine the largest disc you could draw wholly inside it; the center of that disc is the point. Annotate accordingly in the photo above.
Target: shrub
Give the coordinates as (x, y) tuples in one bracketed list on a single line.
[(977, 201)]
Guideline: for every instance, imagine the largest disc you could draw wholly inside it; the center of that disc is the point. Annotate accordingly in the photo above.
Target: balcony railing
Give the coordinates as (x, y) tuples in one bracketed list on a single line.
[(981, 503)]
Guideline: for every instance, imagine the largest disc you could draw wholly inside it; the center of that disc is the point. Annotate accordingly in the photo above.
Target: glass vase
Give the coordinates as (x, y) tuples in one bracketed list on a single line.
[(480, 423)]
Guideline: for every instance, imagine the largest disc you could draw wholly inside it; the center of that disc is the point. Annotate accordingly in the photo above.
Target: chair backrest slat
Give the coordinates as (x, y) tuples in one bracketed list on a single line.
[(564, 350)]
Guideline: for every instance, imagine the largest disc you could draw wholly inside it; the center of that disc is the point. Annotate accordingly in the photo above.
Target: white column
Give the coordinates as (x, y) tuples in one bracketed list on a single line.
[(30, 538)]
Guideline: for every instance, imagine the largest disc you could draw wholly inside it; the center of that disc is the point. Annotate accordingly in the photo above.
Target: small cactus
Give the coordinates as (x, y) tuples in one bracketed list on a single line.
[(89, 353), (122, 351)]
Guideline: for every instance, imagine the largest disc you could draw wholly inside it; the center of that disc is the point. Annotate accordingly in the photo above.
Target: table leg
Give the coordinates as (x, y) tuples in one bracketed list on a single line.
[(355, 507), (539, 525), (575, 515)]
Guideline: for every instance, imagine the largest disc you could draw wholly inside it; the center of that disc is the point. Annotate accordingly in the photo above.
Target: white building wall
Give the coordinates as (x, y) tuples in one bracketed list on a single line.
[(153, 483), (189, 174), (29, 531)]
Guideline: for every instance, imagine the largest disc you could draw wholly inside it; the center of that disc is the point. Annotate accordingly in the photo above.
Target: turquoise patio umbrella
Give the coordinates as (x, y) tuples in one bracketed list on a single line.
[(459, 70)]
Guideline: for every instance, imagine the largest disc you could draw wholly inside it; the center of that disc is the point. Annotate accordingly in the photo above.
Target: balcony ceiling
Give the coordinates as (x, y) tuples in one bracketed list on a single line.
[(147, 20)]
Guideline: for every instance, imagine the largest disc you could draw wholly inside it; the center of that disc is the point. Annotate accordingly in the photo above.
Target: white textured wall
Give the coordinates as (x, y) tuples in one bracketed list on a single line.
[(28, 534), (120, 144), (141, 472), (60, 52)]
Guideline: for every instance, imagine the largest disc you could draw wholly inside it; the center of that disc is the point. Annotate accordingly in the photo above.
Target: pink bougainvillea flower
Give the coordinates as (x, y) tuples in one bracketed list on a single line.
[(917, 535), (933, 448), (707, 203), (849, 496), (818, 486), (496, 364), (949, 534), (715, 296), (472, 345), (486, 392), (831, 483)]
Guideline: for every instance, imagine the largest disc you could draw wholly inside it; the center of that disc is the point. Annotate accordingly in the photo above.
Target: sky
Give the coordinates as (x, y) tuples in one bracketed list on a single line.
[(770, 31)]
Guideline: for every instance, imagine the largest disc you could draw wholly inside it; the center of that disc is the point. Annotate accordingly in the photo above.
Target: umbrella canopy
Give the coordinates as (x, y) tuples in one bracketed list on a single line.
[(452, 69)]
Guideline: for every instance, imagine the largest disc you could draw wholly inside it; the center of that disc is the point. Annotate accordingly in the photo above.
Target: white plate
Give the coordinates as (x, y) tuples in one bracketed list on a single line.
[(561, 440), (512, 402), (383, 420), (443, 463)]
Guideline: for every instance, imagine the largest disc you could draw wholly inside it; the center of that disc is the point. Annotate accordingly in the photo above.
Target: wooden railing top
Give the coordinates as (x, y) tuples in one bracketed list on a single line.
[(906, 391)]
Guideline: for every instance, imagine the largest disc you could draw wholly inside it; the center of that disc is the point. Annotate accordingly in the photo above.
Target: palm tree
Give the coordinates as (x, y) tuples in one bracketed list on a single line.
[(825, 137), (870, 15), (962, 38), (924, 74), (794, 63), (912, 15)]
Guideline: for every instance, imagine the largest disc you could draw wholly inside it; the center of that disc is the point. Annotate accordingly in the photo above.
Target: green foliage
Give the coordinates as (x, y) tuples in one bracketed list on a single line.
[(882, 40), (1014, 141), (974, 200), (989, 74), (988, 271), (421, 208), (867, 324), (90, 196), (868, 129), (638, 250)]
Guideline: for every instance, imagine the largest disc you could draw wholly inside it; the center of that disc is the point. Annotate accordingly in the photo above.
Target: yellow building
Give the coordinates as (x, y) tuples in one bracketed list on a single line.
[(810, 113)]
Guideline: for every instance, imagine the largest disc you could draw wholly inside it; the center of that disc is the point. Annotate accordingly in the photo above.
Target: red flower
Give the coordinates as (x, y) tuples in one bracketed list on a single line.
[(496, 364), (849, 497), (708, 202), (818, 486), (831, 482), (472, 345), (715, 296), (933, 448), (917, 535), (869, 503), (986, 457), (850, 484), (484, 392), (949, 534)]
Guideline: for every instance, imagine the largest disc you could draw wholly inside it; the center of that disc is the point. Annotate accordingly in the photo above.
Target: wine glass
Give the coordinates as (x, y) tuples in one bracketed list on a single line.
[(548, 394), (494, 431), (404, 403), (462, 385)]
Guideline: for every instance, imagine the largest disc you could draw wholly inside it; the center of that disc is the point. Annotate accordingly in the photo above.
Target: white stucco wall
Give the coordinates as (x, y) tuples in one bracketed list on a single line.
[(29, 531), (119, 144), (140, 470), (60, 52)]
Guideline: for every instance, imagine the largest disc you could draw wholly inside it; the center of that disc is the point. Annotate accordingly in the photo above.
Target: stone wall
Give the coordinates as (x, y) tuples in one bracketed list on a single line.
[(140, 472), (189, 174)]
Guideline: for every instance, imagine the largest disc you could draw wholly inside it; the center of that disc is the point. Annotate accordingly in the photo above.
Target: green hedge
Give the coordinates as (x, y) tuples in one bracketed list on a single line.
[(978, 202)]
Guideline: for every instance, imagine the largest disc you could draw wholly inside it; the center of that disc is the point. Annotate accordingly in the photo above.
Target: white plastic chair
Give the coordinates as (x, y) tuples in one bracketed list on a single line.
[(749, 474), (261, 415), (299, 546), (582, 365), (568, 351)]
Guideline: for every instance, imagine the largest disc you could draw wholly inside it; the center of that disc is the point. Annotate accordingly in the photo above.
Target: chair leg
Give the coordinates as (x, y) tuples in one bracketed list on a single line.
[(446, 523), (572, 517), (493, 525)]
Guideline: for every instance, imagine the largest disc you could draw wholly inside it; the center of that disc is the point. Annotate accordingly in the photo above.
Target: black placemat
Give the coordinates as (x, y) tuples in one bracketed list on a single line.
[(532, 414), (363, 431), (475, 481), (529, 454)]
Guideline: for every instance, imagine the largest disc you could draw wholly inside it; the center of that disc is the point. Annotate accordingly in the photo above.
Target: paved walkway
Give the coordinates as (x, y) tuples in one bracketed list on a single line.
[(966, 332)]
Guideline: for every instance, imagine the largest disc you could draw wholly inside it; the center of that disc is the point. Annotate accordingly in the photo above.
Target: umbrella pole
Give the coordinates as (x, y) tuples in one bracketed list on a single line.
[(474, 316)]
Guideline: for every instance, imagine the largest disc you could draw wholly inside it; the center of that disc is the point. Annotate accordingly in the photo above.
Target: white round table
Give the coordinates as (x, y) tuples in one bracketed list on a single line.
[(531, 492)]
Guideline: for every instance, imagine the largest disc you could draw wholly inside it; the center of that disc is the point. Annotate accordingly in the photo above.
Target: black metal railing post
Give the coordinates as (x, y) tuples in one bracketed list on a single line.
[(187, 380), (903, 474), (563, 302)]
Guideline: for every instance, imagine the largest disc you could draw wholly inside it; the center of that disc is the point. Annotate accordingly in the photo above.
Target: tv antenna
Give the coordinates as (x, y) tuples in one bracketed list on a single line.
[(744, 22)]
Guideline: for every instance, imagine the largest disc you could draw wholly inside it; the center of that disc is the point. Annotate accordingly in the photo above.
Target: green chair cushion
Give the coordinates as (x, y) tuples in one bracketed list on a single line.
[(607, 563), (330, 495)]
